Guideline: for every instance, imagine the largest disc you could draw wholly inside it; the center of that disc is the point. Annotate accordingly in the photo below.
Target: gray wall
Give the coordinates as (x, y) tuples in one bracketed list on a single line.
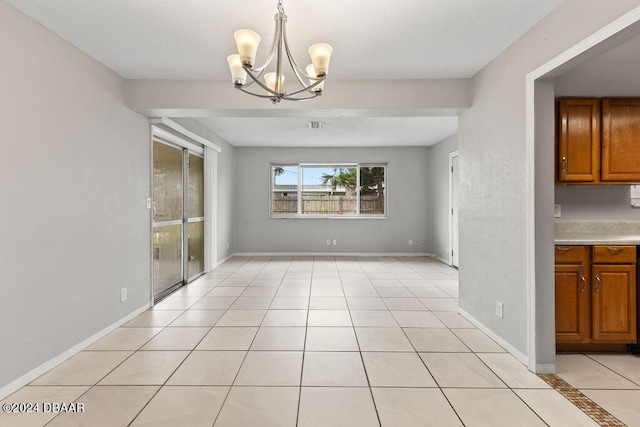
[(439, 195), (492, 136), (407, 193), (226, 187), (74, 182)]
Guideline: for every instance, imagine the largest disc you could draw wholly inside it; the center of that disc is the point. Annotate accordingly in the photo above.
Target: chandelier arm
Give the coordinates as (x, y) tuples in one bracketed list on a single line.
[(253, 74), (276, 97), (272, 49), (258, 82), (288, 98), (281, 24), (241, 88), (308, 89), (297, 70)]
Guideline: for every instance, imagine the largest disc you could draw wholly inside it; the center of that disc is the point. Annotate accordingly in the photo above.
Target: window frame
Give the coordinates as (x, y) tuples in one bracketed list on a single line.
[(300, 188)]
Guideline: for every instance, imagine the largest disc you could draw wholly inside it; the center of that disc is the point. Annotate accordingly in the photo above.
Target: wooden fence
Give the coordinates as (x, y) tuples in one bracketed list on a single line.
[(328, 205)]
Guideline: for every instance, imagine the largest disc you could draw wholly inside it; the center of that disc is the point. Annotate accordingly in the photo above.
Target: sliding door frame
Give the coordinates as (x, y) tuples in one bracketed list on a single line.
[(168, 132)]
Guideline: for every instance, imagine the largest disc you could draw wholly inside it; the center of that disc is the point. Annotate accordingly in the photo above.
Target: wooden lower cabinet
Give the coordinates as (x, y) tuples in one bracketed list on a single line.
[(614, 303), (573, 306), (596, 303)]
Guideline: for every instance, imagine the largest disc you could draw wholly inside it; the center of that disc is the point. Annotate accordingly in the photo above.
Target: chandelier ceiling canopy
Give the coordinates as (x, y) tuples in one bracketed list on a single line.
[(242, 65)]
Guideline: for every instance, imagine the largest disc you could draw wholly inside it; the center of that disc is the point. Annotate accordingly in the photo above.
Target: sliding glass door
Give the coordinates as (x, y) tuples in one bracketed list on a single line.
[(178, 217), (195, 228)]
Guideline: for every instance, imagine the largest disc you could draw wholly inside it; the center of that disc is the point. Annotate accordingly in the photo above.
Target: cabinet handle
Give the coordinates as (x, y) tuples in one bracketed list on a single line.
[(584, 283), (599, 283), (564, 248), (612, 249), (565, 163)]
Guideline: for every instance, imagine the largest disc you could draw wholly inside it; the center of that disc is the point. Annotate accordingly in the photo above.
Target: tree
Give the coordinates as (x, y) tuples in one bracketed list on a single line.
[(345, 178), (372, 182), (277, 171)]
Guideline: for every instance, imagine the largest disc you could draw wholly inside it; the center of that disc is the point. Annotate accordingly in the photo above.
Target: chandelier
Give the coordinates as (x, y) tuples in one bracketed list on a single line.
[(311, 80)]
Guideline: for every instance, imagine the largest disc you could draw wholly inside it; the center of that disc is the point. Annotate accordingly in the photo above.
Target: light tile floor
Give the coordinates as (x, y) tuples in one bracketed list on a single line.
[(318, 341)]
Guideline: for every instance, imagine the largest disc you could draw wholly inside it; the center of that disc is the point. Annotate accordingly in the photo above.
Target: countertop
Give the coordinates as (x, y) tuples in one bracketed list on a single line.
[(596, 238), (597, 232)]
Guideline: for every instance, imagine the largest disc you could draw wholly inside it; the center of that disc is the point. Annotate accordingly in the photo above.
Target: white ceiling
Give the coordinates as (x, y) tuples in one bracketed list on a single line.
[(376, 39), (340, 132)]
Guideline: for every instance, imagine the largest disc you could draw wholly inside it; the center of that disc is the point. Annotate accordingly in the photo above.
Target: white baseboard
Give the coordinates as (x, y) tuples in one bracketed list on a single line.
[(47, 366), (223, 260), (351, 254), (442, 260), (501, 342)]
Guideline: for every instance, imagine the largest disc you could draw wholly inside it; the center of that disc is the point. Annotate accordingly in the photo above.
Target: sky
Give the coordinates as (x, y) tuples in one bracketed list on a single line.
[(311, 175)]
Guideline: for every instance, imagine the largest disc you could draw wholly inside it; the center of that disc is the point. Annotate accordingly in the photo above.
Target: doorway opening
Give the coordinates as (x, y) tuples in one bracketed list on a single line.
[(453, 209)]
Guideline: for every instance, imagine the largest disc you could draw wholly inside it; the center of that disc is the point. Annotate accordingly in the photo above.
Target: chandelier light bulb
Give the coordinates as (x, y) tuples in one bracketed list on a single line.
[(247, 42), (270, 80), (238, 74), (311, 71), (320, 55)]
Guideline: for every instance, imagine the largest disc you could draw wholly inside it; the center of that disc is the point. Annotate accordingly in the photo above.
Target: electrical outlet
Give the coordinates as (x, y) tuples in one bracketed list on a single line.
[(123, 294), (335, 242), (227, 245), (499, 308), (328, 242), (557, 211), (410, 242)]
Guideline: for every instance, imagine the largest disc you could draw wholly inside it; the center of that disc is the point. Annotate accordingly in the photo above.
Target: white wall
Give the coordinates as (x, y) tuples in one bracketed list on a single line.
[(492, 137), (74, 170), (407, 195), (439, 195), (226, 187)]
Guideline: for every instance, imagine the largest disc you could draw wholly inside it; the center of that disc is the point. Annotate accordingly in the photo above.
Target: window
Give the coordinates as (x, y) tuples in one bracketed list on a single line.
[(328, 190)]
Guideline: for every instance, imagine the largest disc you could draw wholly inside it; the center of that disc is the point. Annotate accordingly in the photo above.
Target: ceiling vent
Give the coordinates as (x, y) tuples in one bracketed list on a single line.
[(315, 125)]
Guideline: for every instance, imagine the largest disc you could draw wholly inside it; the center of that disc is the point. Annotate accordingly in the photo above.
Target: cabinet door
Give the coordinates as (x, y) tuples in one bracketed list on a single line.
[(579, 140), (621, 140), (573, 319), (614, 303)]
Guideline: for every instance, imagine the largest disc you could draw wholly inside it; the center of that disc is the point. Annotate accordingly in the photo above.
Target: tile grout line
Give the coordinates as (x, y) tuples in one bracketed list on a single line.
[(304, 346), (429, 371), (611, 369), (364, 367)]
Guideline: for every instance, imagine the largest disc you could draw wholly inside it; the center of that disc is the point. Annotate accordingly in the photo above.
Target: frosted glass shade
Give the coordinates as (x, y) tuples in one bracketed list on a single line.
[(320, 56), (238, 75), (270, 80), (311, 71), (247, 42)]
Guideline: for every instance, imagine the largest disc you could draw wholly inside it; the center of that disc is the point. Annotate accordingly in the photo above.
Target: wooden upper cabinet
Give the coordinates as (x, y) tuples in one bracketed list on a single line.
[(621, 139), (578, 140)]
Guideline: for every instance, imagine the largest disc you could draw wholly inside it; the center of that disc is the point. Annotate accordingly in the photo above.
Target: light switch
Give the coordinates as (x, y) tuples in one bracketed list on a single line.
[(557, 211)]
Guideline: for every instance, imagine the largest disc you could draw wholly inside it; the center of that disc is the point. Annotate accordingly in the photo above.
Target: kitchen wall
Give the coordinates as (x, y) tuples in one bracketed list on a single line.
[(493, 196), (439, 196), (611, 74), (407, 195), (74, 182), (587, 202)]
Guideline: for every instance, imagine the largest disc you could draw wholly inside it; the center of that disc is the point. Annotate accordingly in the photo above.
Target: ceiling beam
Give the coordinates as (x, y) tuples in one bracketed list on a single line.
[(342, 98)]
